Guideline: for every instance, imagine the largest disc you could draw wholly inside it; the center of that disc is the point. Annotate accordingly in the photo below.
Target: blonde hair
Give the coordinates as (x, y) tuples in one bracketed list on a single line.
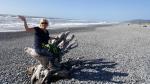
[(43, 20)]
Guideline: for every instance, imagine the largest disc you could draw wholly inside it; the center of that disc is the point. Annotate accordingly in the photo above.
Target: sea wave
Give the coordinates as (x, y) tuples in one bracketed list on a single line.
[(9, 23)]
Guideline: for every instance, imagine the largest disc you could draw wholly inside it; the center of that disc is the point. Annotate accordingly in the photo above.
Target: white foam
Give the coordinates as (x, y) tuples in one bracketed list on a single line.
[(77, 24), (14, 27), (13, 24)]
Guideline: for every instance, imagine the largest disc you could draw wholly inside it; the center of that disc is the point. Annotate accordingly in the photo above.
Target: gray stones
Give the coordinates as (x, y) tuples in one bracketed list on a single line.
[(123, 52)]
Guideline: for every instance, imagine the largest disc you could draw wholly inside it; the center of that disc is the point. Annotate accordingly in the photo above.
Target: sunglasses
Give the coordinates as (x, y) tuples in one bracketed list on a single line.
[(44, 23)]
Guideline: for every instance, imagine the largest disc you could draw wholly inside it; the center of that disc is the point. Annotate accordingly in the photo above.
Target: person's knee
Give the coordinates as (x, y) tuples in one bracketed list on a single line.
[(44, 52)]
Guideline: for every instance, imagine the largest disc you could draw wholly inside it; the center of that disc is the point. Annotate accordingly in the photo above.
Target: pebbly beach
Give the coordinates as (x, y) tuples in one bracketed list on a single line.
[(107, 54)]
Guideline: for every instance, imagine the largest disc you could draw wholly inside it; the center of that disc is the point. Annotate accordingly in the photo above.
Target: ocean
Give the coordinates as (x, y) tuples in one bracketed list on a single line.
[(11, 23)]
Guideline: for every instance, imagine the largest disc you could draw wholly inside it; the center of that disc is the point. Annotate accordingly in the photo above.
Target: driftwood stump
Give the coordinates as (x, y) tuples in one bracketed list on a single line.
[(41, 75)]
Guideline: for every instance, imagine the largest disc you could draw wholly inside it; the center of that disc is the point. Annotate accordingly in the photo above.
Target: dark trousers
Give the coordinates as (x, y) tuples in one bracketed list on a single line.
[(54, 61), (49, 56), (44, 52)]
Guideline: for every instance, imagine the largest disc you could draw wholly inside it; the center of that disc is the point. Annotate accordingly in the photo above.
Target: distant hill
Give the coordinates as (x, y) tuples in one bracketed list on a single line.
[(138, 21)]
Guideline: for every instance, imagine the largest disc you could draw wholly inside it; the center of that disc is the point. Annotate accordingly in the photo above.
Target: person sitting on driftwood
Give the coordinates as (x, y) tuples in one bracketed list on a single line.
[(41, 38), (48, 53)]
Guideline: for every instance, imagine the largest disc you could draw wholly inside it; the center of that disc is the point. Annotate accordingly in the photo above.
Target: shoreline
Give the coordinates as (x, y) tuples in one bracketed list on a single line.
[(19, 34)]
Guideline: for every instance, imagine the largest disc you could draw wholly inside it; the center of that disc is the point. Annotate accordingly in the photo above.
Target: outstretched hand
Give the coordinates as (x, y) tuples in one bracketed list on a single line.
[(22, 18)]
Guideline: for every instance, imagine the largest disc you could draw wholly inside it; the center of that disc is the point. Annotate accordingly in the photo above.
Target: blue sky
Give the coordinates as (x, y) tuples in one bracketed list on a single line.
[(109, 10)]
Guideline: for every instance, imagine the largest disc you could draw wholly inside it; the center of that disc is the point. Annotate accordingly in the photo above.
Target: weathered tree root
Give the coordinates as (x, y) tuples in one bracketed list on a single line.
[(39, 75), (45, 75)]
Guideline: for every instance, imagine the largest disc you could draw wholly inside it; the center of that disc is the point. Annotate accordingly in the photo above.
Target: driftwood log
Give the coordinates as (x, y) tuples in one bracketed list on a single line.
[(41, 75)]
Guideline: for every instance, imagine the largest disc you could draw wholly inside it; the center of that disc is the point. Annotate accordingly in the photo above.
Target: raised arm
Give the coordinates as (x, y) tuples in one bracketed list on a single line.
[(26, 25)]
